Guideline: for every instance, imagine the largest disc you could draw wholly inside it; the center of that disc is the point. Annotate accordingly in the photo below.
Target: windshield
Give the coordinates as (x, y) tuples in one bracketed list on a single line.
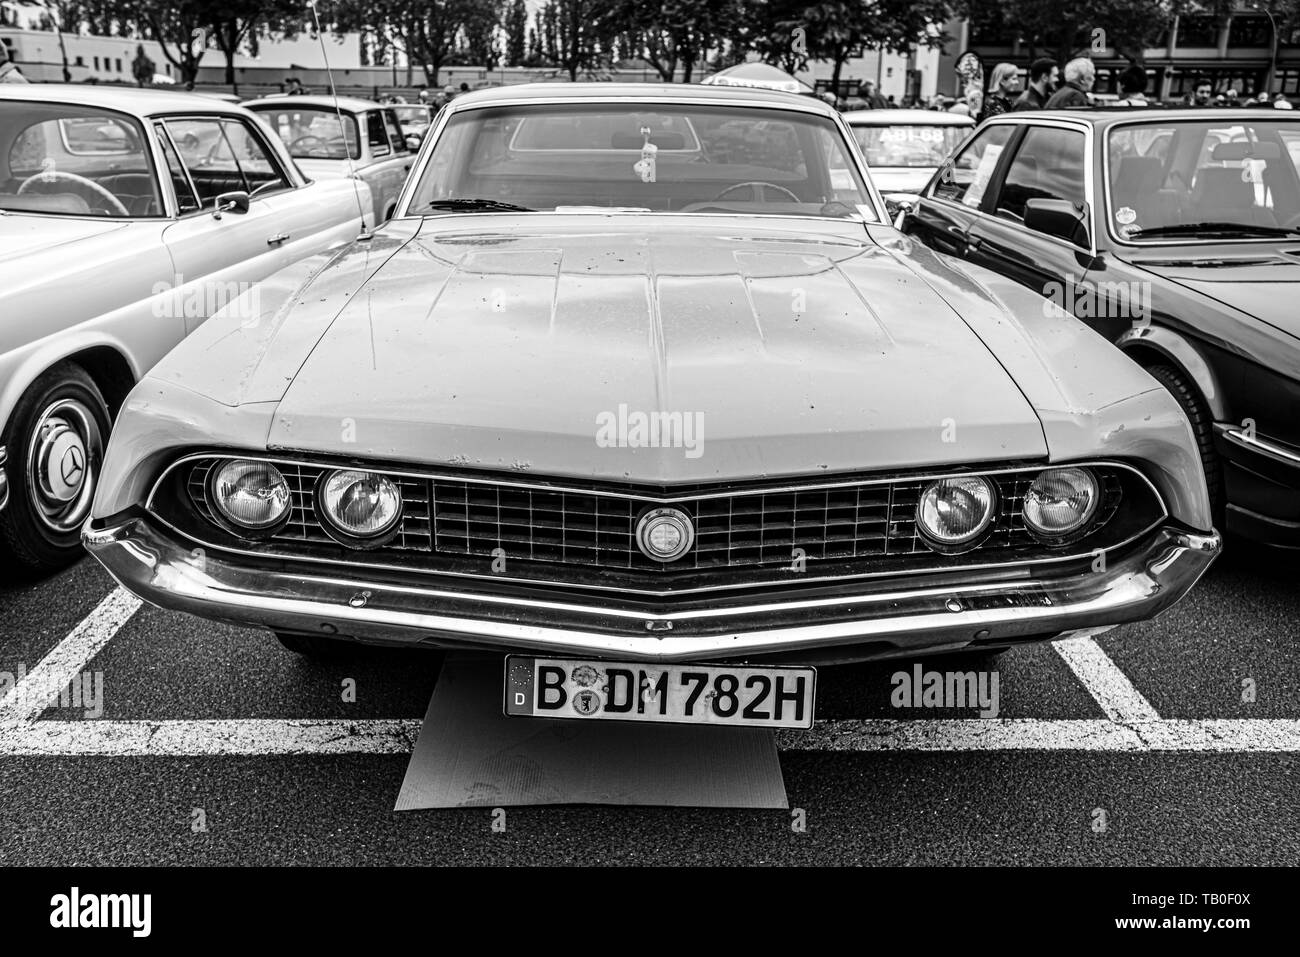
[(74, 161), (412, 115), (659, 158), (915, 146), (1195, 179), (313, 132)]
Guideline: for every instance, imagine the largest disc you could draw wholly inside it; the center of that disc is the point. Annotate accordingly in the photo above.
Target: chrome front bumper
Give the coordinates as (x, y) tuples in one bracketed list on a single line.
[(855, 621)]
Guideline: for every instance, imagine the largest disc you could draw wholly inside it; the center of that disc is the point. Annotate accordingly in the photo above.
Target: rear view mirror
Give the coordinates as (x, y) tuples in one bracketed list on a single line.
[(1060, 218), (898, 206), (234, 202)]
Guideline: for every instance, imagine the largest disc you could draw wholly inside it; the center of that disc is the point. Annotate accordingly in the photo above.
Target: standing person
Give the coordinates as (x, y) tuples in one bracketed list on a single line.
[(1044, 75), (874, 100), (142, 68), (1133, 87), (1203, 94), (1080, 75), (8, 69), (1003, 87)]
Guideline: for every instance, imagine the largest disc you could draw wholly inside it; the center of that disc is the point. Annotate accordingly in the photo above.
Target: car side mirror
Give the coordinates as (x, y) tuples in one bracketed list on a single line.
[(413, 142), (233, 202), (1058, 217)]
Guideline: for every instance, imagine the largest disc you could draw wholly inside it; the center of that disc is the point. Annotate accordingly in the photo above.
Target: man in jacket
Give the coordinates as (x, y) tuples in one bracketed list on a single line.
[(1080, 74), (1044, 75)]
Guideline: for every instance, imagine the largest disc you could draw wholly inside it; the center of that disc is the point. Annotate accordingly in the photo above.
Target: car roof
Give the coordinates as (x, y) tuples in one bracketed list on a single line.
[(140, 102), (1124, 115), (644, 92), (349, 103), (906, 118)]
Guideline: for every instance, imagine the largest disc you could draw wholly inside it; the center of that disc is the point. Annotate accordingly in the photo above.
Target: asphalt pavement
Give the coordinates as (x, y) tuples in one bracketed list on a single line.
[(1167, 742)]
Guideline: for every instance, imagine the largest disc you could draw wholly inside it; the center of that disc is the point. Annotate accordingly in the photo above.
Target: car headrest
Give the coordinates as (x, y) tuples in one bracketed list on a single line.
[(1137, 174), (1214, 183), (1243, 150)]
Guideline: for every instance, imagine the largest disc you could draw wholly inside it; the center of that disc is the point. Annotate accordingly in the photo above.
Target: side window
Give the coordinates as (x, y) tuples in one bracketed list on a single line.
[(1048, 165), (185, 197), (261, 172), (965, 178), (223, 155), (395, 136), (377, 134)]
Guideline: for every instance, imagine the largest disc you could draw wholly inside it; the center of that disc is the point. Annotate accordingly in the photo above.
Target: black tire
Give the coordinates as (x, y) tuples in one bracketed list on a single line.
[(63, 408), (1198, 414)]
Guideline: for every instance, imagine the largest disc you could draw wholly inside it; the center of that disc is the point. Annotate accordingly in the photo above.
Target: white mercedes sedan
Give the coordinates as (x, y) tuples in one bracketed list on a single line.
[(127, 218)]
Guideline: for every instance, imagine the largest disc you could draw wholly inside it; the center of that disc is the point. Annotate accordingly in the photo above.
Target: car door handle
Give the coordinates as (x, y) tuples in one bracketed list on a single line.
[(973, 243), (277, 239)]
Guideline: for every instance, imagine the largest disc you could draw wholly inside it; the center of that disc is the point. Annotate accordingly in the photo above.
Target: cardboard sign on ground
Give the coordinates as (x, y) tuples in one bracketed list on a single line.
[(470, 754)]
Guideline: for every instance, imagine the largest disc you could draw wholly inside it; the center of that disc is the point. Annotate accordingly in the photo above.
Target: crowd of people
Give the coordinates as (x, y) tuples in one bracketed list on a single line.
[(1049, 87)]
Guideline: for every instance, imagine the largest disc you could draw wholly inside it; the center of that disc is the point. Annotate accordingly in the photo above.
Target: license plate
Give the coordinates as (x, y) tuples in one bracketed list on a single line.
[(673, 694)]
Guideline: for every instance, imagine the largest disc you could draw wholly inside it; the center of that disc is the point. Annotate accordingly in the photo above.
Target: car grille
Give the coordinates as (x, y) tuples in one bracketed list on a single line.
[(566, 535)]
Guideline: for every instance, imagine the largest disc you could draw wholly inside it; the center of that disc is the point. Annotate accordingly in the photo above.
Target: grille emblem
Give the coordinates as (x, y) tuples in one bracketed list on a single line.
[(664, 534)]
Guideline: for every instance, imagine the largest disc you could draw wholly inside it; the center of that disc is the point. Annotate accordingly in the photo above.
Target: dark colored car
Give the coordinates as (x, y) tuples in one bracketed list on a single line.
[(1176, 235)]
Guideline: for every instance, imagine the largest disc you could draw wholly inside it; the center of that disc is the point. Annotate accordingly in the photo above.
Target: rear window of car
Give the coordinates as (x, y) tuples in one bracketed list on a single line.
[(64, 159)]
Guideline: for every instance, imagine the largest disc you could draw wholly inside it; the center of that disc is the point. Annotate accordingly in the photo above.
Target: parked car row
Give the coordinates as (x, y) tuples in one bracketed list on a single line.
[(648, 381)]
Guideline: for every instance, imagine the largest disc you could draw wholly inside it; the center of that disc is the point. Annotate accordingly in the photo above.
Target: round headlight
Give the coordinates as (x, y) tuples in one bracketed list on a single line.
[(360, 504), (252, 495), (954, 511), (1060, 501)]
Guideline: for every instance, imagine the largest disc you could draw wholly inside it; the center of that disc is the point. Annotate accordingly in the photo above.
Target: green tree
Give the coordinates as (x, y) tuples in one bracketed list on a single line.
[(516, 28)]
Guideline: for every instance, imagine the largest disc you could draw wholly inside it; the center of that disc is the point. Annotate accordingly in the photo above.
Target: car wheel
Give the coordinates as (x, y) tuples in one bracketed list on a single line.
[(1202, 427), (55, 446)]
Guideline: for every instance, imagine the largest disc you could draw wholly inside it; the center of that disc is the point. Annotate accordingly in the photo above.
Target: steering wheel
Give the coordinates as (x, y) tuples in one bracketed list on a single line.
[(47, 175), (316, 142), (759, 190)]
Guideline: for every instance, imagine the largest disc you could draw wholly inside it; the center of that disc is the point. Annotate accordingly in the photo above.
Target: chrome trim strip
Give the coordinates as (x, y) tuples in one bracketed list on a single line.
[(1263, 445), (4, 478), (667, 499), (802, 581), (163, 572)]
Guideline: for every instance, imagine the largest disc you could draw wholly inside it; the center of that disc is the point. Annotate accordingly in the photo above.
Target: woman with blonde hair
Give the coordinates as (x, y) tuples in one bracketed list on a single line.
[(1004, 86)]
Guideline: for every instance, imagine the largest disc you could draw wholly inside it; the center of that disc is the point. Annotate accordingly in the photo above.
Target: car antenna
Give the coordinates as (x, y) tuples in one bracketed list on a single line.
[(366, 234)]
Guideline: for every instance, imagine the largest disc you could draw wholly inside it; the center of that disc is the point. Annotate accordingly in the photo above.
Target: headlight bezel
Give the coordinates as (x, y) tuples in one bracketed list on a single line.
[(972, 540), (1077, 532), (345, 536), (236, 526)]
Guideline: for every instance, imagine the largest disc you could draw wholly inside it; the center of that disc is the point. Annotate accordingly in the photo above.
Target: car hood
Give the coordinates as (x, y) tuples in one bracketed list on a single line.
[(1262, 284), (649, 352), (23, 235)]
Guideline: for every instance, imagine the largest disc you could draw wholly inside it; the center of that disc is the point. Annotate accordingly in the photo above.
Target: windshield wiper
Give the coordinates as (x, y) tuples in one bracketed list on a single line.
[(477, 205), (1175, 229)]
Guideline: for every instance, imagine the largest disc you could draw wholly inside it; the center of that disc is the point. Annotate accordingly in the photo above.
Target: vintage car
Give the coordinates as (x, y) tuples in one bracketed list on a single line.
[(415, 119), (333, 137), (1176, 235), (905, 147), (678, 424), (127, 217)]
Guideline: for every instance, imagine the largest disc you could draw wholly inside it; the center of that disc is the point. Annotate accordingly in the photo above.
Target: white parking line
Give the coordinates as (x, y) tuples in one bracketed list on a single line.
[(285, 737), (29, 697), (1105, 682), (1131, 724)]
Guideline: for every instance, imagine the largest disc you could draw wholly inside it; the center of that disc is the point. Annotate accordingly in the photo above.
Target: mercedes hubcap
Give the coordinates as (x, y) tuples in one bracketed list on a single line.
[(66, 446)]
